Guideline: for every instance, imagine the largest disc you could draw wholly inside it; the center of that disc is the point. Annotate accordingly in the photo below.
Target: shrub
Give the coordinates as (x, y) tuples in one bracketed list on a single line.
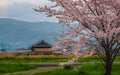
[(67, 67)]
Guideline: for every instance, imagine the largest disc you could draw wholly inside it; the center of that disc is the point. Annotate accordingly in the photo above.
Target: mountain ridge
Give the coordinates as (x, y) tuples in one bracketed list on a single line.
[(22, 34)]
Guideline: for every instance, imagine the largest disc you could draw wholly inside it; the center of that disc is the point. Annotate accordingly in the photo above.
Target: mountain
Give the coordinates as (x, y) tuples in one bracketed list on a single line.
[(19, 34)]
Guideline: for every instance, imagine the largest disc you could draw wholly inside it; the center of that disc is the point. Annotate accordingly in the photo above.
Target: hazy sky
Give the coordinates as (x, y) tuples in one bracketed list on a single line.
[(23, 10)]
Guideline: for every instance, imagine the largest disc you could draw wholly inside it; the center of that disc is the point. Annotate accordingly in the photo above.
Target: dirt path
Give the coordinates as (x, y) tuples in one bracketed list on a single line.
[(34, 71)]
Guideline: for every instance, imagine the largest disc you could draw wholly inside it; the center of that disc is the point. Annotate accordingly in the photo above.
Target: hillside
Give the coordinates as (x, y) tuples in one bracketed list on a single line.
[(22, 34)]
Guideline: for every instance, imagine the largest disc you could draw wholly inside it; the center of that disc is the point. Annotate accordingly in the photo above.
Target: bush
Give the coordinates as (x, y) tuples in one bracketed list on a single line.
[(67, 67)]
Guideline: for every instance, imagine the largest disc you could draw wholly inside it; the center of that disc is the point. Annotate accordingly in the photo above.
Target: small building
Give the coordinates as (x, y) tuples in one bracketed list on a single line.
[(23, 50), (42, 47)]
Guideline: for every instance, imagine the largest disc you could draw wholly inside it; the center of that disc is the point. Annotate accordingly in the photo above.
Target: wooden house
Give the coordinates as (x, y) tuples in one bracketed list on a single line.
[(42, 47)]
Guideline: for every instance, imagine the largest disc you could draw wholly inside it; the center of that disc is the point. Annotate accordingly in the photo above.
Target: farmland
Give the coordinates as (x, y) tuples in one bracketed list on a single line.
[(16, 64), (28, 59), (87, 69), (21, 63)]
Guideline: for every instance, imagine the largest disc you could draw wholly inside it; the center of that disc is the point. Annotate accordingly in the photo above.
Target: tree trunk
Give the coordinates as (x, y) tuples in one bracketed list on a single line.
[(108, 66)]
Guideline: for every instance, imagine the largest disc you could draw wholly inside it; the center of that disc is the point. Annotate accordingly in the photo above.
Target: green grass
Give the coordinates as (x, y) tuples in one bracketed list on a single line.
[(95, 59), (14, 63), (32, 59), (90, 59), (87, 69), (92, 69), (59, 72), (27, 60), (97, 69), (8, 68), (117, 59)]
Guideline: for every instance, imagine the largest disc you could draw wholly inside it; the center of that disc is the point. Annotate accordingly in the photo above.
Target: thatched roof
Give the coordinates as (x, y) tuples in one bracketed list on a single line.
[(42, 44)]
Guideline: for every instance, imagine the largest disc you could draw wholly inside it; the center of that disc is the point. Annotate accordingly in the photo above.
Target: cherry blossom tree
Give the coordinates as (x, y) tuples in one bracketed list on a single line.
[(93, 25)]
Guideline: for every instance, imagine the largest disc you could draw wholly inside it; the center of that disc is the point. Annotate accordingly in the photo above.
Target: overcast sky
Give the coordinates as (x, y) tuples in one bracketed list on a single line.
[(23, 10)]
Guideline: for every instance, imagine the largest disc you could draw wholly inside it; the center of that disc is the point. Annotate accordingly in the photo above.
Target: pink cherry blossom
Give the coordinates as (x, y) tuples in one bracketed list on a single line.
[(97, 20)]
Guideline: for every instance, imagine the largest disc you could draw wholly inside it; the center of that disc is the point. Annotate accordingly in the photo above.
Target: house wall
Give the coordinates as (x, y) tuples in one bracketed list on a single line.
[(41, 49)]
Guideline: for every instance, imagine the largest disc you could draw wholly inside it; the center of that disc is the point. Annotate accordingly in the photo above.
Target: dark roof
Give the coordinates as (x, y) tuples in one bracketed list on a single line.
[(42, 44)]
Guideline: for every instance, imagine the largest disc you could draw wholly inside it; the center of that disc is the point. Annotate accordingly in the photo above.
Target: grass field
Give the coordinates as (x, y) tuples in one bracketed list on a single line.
[(94, 59), (9, 68), (10, 64), (16, 64), (29, 59), (87, 69)]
